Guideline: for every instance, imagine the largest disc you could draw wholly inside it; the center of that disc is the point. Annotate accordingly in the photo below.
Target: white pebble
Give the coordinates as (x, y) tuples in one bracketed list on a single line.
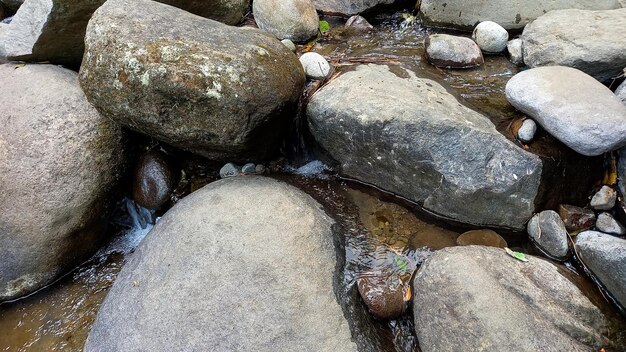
[(527, 131), (490, 37), (315, 66)]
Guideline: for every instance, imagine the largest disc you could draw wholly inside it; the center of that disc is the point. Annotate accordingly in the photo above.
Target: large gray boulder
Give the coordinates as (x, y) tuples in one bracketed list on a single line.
[(583, 39), (349, 7), (48, 30), (479, 298), (605, 256), (219, 91), (54, 30), (408, 135), (59, 160), (244, 264), (296, 20), (510, 14), (565, 102)]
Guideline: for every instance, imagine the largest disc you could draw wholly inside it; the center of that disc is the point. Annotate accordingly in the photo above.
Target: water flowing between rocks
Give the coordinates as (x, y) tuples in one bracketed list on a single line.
[(380, 235)]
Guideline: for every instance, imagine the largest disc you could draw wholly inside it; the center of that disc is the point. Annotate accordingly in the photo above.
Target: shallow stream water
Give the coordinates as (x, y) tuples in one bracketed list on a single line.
[(378, 230)]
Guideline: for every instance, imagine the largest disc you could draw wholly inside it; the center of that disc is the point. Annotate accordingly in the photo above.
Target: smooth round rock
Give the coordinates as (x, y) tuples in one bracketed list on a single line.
[(548, 231), (482, 238), (230, 170), (565, 102), (516, 52), (604, 199), (154, 180), (248, 169), (449, 51), (243, 264), (527, 131), (287, 19), (315, 65), (490, 37), (383, 294), (607, 224)]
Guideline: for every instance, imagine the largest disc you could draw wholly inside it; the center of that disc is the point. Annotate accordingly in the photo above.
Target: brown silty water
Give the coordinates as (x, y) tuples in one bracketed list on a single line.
[(380, 233)]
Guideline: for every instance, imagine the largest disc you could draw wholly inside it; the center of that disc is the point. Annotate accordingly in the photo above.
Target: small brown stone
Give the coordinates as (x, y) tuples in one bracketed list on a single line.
[(482, 238), (383, 293), (154, 180), (576, 218)]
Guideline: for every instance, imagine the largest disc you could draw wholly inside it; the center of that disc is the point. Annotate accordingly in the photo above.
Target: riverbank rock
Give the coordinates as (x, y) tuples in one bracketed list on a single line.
[(348, 7), (296, 20), (516, 52), (510, 14), (59, 162), (565, 101), (449, 51), (409, 136), (383, 294), (526, 132), (605, 256), (218, 91), (548, 231), (586, 40), (315, 65), (604, 199), (220, 274), (505, 305), (154, 180)]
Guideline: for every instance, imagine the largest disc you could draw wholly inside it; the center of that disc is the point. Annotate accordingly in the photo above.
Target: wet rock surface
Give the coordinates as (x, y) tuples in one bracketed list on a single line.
[(586, 40), (465, 14), (383, 294), (154, 180), (564, 102), (296, 20), (449, 51), (59, 163), (604, 199), (189, 269), (354, 119), (605, 256), (576, 218), (607, 224), (202, 86), (548, 231), (494, 301)]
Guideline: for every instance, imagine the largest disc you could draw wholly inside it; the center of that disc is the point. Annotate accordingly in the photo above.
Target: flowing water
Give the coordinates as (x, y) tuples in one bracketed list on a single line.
[(379, 233)]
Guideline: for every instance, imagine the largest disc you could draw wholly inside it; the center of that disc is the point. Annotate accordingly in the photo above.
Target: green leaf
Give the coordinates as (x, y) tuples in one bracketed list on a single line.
[(517, 255), (324, 27), (401, 263)]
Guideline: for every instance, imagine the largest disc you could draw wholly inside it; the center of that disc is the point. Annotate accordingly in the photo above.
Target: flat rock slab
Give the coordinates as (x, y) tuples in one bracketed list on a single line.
[(59, 163), (243, 264), (510, 14), (219, 91), (605, 256), (590, 41), (408, 135), (479, 298), (572, 106)]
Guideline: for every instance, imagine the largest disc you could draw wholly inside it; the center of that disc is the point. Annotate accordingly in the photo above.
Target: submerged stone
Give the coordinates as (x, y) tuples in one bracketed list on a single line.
[(219, 91), (576, 218), (383, 294), (481, 238), (408, 135)]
